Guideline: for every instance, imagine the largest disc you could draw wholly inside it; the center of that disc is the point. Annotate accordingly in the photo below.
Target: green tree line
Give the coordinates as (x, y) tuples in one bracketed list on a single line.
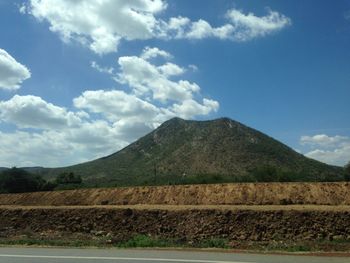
[(16, 180)]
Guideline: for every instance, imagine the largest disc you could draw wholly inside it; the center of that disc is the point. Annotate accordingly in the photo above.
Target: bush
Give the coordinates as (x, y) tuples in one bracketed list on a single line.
[(269, 173), (68, 178), (215, 243), (144, 241), (347, 172), (17, 180), (266, 173)]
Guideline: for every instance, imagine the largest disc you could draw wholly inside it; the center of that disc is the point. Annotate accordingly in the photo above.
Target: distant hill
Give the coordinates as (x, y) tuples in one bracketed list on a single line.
[(220, 150), (33, 170)]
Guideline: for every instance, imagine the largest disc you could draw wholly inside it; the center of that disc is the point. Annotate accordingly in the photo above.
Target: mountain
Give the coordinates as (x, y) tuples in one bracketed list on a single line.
[(182, 150), (33, 170)]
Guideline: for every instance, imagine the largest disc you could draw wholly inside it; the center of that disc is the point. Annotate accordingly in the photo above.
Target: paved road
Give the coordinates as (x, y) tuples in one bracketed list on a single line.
[(57, 255)]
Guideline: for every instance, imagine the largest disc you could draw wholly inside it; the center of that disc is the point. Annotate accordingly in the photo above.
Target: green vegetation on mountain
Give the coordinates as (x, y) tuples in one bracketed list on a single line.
[(181, 152), (17, 180), (68, 180), (347, 172)]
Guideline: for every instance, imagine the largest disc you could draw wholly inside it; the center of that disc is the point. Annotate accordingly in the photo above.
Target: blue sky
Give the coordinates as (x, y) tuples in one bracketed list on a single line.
[(81, 79)]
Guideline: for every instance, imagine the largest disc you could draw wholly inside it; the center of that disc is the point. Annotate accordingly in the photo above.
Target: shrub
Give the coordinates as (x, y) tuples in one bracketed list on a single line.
[(68, 178), (17, 180), (347, 172)]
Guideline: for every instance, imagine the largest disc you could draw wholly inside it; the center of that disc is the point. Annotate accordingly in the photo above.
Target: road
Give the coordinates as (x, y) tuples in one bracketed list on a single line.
[(64, 255)]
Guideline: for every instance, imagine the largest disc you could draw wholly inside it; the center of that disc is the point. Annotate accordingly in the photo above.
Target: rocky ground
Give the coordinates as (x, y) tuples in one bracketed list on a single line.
[(244, 216), (238, 227)]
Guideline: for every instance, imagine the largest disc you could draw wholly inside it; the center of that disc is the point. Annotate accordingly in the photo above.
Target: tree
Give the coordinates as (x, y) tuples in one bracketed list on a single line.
[(68, 178), (347, 172), (17, 180), (266, 173)]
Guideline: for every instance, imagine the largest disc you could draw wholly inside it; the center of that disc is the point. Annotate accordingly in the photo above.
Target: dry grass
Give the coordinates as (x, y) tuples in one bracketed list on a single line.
[(213, 194)]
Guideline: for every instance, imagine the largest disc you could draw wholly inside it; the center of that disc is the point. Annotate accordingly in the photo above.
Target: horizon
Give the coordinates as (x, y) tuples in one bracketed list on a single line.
[(74, 87)]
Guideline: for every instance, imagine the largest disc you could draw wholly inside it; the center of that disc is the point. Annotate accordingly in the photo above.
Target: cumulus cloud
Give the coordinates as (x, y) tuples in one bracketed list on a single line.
[(240, 27), (251, 26), (101, 25), (170, 69), (33, 112), (21, 148), (154, 52), (116, 105), (329, 149), (12, 73), (157, 94), (146, 78), (53, 148), (189, 108), (101, 121)]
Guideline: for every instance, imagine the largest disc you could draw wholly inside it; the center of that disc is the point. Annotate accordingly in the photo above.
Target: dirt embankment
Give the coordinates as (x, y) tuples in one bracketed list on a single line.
[(216, 194), (262, 213), (194, 225)]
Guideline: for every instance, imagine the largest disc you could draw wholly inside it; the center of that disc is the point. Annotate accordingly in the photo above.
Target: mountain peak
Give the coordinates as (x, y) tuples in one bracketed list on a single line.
[(221, 147)]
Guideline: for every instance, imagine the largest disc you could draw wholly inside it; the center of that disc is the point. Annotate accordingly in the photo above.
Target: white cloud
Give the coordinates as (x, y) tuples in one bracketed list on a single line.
[(323, 140), (249, 26), (54, 148), (192, 67), (22, 8), (329, 149), (200, 29), (240, 26), (31, 149), (148, 53), (190, 108), (339, 156), (148, 79), (170, 69), (102, 121), (12, 73), (177, 25), (101, 25), (101, 69), (116, 105), (33, 112)]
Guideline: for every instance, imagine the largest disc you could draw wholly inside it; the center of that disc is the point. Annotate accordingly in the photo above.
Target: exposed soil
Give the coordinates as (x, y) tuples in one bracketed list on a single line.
[(326, 208), (194, 225), (215, 194), (247, 215)]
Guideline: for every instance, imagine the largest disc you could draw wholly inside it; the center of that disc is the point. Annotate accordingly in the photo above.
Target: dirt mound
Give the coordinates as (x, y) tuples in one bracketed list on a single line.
[(187, 225), (216, 194)]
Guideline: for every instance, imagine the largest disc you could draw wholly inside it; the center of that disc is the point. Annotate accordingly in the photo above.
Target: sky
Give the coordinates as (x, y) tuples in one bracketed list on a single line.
[(82, 79)]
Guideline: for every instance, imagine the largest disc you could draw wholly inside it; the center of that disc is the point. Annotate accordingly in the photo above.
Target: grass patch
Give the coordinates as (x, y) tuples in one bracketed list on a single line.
[(214, 243), (299, 248), (49, 242), (143, 241), (146, 241)]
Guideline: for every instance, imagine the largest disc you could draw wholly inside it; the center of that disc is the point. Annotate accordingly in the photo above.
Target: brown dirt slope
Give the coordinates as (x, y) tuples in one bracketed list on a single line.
[(216, 194), (186, 225)]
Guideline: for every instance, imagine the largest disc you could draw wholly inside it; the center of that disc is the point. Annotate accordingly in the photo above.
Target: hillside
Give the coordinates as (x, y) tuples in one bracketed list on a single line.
[(221, 150)]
